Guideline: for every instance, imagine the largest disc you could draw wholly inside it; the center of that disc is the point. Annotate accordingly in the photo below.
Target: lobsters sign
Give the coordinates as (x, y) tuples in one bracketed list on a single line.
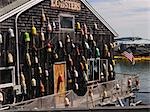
[(66, 4)]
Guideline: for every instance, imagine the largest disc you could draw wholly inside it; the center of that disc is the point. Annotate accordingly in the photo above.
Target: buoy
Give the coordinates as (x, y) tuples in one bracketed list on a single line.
[(36, 60), (94, 43), (67, 102), (43, 16), (91, 37), (73, 46), (117, 86), (129, 83), (76, 86), (110, 68), (85, 76), (68, 38), (78, 26), (54, 25), (105, 95), (33, 82), (49, 26), (56, 56), (104, 66), (10, 58), (82, 66), (86, 36), (85, 28), (86, 66), (11, 32), (70, 60), (97, 52), (76, 74), (60, 44), (87, 45), (1, 39), (113, 62), (40, 70), (34, 32), (28, 59), (106, 47), (49, 49), (1, 96), (46, 73), (22, 77), (83, 58), (95, 26), (82, 32), (27, 37), (42, 35), (112, 46)]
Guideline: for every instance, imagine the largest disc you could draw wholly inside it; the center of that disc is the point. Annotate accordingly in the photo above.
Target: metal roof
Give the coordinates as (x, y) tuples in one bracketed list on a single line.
[(31, 3)]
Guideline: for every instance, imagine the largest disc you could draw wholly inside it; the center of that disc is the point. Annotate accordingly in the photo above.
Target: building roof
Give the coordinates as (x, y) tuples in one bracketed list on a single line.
[(32, 3)]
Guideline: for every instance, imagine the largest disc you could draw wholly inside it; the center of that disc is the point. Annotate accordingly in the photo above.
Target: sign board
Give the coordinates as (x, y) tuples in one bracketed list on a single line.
[(74, 5)]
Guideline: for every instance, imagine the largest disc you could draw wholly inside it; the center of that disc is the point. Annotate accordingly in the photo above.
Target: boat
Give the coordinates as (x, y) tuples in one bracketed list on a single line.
[(139, 47)]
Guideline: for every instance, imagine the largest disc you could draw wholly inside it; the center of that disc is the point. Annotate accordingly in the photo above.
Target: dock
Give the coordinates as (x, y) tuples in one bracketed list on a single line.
[(56, 101)]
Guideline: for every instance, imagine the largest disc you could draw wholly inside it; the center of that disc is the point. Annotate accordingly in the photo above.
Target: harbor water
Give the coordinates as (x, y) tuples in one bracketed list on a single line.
[(143, 70)]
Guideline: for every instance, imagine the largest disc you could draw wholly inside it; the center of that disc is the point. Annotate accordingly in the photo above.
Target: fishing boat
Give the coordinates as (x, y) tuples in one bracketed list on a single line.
[(139, 47)]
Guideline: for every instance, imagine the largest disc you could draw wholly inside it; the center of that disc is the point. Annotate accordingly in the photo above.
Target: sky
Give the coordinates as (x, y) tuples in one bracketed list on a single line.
[(126, 17)]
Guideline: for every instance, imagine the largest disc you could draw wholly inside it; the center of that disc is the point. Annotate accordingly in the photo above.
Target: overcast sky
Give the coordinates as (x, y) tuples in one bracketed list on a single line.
[(127, 17)]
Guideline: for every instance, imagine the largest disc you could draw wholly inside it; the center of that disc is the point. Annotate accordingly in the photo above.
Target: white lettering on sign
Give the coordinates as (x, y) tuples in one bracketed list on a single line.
[(66, 4)]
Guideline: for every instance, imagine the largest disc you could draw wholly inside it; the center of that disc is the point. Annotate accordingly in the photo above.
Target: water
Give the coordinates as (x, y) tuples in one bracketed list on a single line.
[(143, 70)]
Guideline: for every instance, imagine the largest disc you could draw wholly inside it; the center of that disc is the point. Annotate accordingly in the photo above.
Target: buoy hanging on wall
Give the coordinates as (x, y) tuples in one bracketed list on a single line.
[(1, 39), (95, 26), (28, 59), (42, 35), (10, 58), (27, 37), (43, 16), (34, 32), (49, 26), (85, 29), (49, 49), (11, 32), (78, 26), (33, 82)]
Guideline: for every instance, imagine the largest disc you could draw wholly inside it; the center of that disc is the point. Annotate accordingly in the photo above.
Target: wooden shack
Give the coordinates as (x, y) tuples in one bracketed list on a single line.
[(47, 42)]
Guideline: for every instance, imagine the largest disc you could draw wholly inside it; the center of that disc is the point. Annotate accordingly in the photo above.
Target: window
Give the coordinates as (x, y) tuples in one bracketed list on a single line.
[(66, 22)]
